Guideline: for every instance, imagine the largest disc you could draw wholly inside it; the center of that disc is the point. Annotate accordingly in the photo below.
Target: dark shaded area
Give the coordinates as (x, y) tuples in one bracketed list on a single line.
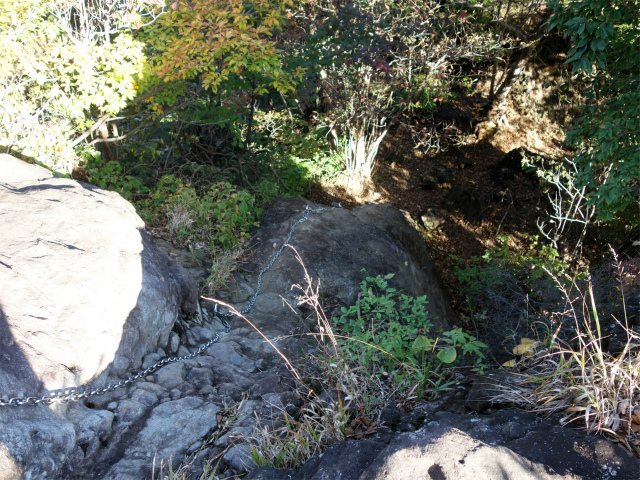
[(453, 115), (16, 374), (32, 188)]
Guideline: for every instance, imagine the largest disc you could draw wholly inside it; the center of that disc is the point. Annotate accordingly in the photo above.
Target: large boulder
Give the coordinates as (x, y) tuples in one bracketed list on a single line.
[(341, 247), (84, 296), (508, 444)]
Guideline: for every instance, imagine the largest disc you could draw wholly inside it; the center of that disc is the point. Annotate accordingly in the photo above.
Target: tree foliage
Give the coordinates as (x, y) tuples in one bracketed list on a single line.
[(605, 41), (55, 83), (370, 61), (221, 44)]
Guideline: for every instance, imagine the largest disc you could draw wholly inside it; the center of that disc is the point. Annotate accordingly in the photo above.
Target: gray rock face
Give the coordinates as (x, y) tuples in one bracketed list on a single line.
[(336, 245), (84, 295), (167, 434), (508, 444)]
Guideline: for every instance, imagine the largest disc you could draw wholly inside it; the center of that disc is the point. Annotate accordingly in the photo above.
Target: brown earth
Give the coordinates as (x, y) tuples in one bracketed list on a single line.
[(509, 208), (506, 204)]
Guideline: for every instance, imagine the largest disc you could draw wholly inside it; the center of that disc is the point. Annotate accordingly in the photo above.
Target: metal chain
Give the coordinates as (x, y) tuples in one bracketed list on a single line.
[(75, 394), (304, 217)]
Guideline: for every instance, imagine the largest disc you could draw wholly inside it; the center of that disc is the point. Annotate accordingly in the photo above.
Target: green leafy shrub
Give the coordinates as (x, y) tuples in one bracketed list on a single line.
[(220, 218), (298, 157), (321, 165), (605, 38), (395, 330), (526, 266), (385, 318), (110, 176)]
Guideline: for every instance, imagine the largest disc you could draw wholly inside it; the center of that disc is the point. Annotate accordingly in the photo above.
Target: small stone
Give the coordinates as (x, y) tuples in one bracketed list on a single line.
[(239, 458), (186, 389), (193, 447), (444, 175), (428, 182), (198, 335), (512, 430), (130, 410), (151, 387), (229, 391), (207, 390), (144, 397), (172, 375), (174, 342), (150, 359), (431, 220), (200, 376)]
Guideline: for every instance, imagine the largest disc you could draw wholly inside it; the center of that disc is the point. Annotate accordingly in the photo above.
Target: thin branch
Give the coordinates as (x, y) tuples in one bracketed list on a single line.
[(502, 23), (89, 131)]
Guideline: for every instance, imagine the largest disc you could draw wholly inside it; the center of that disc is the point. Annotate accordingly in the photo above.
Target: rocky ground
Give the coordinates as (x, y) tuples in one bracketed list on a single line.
[(201, 409)]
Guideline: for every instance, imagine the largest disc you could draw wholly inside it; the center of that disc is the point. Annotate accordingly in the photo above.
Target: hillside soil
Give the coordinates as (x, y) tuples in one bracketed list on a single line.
[(483, 194)]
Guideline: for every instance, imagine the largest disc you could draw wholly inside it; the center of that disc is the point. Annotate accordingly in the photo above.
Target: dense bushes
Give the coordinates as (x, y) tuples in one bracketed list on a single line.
[(269, 96), (605, 39)]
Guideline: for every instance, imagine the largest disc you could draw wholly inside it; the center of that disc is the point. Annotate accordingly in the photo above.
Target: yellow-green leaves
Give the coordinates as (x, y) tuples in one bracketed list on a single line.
[(213, 42), (527, 348), (448, 355), (54, 84), (421, 343)]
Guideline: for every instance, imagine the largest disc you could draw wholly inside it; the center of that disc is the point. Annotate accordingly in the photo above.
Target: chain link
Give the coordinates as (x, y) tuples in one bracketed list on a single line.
[(304, 217), (75, 393)]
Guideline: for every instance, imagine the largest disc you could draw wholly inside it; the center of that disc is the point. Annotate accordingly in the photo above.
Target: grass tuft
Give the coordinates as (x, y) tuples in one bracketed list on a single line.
[(579, 378)]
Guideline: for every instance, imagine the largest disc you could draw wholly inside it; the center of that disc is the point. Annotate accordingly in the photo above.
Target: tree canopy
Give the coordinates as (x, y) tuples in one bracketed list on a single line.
[(605, 41), (121, 80)]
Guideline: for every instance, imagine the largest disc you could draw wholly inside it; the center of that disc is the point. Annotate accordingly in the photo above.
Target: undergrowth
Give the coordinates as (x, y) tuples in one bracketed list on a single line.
[(509, 294), (210, 207), (183, 471), (390, 333), (560, 330), (578, 377), (383, 347)]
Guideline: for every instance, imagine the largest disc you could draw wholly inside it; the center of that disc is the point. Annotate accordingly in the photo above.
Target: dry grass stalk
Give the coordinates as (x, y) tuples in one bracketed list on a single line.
[(581, 380), (296, 441), (224, 263), (311, 296), (237, 313), (321, 422), (184, 470)]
